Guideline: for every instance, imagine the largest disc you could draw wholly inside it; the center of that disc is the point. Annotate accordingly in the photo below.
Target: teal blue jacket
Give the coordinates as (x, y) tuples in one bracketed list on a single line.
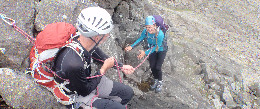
[(151, 39)]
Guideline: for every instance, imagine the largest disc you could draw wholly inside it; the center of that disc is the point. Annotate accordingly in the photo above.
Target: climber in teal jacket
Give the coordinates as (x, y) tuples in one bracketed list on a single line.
[(151, 39), (157, 45)]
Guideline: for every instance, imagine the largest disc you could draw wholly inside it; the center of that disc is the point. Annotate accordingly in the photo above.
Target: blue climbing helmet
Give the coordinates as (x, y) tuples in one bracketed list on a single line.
[(150, 20)]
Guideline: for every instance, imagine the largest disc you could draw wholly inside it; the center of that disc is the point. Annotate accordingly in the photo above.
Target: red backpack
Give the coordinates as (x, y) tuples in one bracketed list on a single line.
[(48, 43)]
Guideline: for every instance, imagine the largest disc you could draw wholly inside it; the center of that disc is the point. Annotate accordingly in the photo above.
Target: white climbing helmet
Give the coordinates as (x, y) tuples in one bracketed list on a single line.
[(93, 21)]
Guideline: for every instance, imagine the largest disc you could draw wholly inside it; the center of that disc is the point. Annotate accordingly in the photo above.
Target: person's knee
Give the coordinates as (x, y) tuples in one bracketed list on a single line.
[(129, 93)]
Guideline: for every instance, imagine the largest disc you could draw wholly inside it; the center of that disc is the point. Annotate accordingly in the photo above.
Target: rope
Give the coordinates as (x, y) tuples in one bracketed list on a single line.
[(103, 74), (118, 71), (55, 73), (144, 59), (30, 38), (135, 67), (118, 74), (93, 98)]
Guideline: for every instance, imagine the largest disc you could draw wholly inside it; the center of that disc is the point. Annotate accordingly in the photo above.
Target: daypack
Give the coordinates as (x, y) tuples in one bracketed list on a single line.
[(160, 23), (162, 26), (48, 43)]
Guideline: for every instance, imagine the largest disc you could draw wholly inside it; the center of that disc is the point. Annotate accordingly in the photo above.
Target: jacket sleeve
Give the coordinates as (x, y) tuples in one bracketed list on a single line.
[(99, 56), (141, 38), (159, 43)]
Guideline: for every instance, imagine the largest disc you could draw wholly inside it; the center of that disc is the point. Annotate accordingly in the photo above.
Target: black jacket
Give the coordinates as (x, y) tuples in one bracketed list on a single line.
[(69, 65)]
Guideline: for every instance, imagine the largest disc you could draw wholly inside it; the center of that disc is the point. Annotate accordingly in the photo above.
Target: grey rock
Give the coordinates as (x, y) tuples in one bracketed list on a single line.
[(217, 103), (51, 11), (110, 4), (15, 44), (142, 73), (6, 62), (228, 98), (20, 91), (122, 12), (258, 102), (255, 88)]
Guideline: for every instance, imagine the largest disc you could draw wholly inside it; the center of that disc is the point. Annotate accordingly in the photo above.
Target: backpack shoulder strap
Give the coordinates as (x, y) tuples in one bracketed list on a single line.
[(77, 48)]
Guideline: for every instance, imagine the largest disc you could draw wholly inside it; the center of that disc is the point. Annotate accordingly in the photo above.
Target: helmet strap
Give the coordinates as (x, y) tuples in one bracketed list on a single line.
[(98, 41)]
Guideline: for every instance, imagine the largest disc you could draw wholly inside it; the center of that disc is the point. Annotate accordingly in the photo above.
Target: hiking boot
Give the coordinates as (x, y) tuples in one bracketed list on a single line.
[(159, 87), (154, 85)]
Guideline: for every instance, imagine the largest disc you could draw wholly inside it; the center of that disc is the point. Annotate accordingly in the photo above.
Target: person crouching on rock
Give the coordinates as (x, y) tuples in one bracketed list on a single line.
[(94, 25), (155, 38)]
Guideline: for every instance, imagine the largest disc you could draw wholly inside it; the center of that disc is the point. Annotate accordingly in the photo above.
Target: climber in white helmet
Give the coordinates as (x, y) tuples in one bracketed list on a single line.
[(94, 25)]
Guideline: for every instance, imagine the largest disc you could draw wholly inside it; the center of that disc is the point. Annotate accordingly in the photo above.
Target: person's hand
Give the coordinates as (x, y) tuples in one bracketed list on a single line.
[(128, 48), (128, 69), (108, 63), (141, 55)]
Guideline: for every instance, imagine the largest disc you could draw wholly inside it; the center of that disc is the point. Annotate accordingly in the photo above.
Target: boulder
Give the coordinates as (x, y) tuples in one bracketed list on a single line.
[(122, 12), (6, 62), (15, 44), (50, 11), (255, 88), (228, 98), (20, 91)]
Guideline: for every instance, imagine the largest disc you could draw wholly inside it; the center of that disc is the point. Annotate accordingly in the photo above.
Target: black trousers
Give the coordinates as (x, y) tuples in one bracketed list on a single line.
[(156, 60)]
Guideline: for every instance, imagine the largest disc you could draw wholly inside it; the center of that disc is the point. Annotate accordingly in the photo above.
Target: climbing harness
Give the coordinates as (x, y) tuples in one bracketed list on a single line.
[(11, 22)]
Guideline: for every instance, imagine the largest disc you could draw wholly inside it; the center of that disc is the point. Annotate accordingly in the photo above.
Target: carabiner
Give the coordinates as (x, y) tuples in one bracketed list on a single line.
[(2, 15), (7, 20)]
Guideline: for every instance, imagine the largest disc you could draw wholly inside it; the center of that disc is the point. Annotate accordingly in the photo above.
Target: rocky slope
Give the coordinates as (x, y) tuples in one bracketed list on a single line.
[(212, 62)]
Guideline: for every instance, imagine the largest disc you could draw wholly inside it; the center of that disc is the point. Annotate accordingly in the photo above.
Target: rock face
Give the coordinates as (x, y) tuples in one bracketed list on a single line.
[(108, 4), (212, 60), (19, 91), (15, 44), (50, 11)]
